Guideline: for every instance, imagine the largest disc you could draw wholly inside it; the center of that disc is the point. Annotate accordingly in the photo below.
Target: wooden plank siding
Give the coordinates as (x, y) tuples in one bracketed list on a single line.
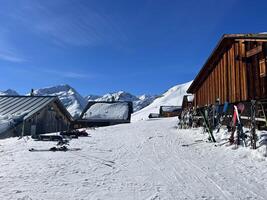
[(232, 76)]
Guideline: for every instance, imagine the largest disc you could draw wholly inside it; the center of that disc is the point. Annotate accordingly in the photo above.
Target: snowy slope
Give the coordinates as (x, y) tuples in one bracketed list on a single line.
[(173, 97), (9, 92), (142, 160), (71, 99)]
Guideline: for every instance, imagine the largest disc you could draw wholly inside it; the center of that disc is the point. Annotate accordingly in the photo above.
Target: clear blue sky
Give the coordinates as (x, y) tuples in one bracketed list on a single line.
[(99, 46)]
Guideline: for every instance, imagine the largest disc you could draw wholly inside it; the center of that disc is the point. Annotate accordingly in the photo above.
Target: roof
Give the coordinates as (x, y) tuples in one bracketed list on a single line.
[(90, 103), (225, 40), (170, 108), (28, 105)]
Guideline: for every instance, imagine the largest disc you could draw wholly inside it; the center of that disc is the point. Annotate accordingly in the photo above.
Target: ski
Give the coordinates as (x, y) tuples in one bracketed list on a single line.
[(240, 132), (253, 136), (207, 125), (54, 149), (221, 116)]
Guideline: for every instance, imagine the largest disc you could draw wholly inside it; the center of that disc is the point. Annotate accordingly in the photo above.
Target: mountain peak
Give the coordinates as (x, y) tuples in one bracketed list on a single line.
[(9, 92), (70, 98)]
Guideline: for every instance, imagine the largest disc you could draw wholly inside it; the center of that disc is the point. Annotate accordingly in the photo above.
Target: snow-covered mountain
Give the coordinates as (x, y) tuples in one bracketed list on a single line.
[(92, 97), (8, 92), (71, 99), (143, 105), (139, 102), (118, 96), (173, 97), (143, 101)]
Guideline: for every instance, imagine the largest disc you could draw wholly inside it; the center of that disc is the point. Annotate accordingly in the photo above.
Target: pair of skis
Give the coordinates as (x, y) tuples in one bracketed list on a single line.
[(237, 126), (207, 125), (253, 136)]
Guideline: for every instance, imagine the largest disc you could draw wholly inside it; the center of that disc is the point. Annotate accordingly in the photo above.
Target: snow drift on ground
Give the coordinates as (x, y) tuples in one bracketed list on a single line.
[(173, 97), (148, 160), (70, 98), (113, 111)]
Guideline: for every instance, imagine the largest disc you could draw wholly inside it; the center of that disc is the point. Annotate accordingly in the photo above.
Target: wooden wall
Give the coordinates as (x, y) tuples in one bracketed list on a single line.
[(234, 76)]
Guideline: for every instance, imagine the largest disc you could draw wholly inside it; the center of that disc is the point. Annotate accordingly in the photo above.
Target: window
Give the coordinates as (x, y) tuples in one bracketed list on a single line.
[(262, 68)]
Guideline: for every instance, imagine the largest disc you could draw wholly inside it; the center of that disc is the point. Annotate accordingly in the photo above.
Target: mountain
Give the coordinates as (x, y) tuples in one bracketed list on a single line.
[(91, 97), (71, 99), (9, 92), (173, 97), (143, 101), (118, 96), (139, 102)]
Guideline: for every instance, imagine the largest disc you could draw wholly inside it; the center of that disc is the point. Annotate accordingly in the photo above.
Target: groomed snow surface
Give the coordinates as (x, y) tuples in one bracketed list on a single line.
[(148, 159)]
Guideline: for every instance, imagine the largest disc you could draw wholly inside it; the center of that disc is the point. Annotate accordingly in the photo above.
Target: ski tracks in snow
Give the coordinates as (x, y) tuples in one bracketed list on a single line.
[(142, 160)]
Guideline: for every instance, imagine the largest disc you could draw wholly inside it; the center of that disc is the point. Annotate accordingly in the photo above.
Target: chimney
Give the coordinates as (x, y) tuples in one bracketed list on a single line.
[(32, 94)]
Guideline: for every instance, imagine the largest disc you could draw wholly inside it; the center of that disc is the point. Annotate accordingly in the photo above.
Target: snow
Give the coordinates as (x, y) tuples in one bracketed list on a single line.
[(9, 121), (173, 97), (4, 125), (148, 159), (109, 111)]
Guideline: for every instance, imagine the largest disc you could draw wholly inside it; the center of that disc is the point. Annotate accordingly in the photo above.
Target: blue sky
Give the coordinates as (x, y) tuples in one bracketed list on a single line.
[(100, 46)]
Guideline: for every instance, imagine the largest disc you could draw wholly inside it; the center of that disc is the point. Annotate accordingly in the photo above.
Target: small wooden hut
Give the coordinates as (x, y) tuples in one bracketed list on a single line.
[(234, 72), (33, 115)]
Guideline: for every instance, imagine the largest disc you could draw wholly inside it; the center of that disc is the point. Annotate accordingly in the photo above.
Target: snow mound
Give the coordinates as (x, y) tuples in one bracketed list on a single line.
[(10, 121), (173, 97), (70, 98)]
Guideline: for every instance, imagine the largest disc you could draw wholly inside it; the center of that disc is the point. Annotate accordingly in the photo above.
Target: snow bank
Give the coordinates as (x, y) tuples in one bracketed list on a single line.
[(173, 97), (108, 111)]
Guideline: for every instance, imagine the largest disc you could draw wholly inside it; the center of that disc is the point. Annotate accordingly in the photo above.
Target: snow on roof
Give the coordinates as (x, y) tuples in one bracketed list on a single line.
[(107, 111)]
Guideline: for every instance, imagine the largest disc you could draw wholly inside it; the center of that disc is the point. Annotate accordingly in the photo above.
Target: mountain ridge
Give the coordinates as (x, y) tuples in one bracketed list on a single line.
[(144, 104)]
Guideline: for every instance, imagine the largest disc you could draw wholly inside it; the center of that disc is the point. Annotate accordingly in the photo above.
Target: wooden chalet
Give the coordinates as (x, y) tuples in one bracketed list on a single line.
[(33, 115), (234, 72)]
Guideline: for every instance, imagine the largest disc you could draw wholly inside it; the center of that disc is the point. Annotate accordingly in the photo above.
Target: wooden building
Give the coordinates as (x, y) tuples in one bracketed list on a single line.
[(33, 115), (104, 113), (234, 72), (170, 111)]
